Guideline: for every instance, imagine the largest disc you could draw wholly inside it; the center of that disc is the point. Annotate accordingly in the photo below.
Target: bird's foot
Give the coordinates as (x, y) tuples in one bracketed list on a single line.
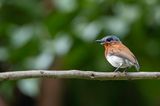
[(124, 71)]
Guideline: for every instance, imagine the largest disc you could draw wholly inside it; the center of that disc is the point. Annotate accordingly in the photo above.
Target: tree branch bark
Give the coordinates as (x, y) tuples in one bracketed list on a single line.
[(77, 74)]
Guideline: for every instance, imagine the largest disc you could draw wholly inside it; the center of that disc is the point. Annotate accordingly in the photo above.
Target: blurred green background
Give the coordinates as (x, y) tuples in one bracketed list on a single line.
[(61, 34)]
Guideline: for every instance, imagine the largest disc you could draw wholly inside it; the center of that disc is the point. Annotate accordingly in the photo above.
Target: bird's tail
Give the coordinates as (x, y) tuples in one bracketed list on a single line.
[(137, 66)]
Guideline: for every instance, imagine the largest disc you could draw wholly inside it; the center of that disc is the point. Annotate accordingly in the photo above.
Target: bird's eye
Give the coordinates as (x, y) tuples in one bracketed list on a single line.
[(109, 39)]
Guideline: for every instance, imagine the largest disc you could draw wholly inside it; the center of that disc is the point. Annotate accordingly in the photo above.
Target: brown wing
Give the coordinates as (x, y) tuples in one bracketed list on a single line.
[(122, 51)]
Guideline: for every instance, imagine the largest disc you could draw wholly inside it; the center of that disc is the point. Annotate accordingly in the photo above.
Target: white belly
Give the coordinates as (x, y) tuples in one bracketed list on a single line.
[(116, 61)]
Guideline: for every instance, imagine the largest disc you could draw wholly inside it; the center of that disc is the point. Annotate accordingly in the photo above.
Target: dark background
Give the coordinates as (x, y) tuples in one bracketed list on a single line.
[(61, 34)]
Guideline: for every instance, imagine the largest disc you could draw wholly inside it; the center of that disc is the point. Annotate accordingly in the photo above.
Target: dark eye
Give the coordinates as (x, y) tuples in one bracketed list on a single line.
[(109, 39)]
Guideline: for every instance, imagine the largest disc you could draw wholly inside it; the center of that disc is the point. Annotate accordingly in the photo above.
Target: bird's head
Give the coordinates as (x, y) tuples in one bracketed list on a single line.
[(108, 39)]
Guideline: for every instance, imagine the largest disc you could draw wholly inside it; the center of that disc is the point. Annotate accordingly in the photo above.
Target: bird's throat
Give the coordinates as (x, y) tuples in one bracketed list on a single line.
[(106, 46)]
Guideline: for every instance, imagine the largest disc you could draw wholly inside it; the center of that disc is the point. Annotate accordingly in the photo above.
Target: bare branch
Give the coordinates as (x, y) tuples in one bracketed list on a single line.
[(77, 74)]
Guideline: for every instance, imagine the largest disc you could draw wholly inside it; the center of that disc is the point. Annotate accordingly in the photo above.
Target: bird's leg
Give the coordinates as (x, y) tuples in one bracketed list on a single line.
[(117, 68), (125, 69)]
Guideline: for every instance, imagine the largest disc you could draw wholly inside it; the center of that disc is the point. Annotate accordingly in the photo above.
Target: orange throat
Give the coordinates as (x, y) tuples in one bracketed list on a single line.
[(106, 47)]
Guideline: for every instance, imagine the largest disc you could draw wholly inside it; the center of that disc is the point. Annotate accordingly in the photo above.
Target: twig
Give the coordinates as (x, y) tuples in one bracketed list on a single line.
[(77, 74)]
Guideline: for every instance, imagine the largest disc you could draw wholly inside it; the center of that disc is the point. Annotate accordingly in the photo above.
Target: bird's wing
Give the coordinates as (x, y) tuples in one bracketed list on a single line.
[(122, 51)]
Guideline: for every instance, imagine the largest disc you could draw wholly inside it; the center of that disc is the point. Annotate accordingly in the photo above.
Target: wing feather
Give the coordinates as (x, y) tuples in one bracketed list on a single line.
[(122, 51)]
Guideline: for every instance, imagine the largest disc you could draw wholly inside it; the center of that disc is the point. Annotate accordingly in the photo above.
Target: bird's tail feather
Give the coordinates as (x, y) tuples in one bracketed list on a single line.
[(137, 66)]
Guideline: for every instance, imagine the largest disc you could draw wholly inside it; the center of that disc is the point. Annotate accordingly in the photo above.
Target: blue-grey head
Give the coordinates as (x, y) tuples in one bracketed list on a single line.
[(108, 39)]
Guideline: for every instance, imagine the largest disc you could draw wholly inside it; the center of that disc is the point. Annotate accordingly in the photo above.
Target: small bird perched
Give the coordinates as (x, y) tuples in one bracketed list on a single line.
[(117, 54)]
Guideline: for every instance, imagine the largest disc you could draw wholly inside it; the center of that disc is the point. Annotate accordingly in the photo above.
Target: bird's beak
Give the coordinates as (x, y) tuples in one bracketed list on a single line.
[(100, 41)]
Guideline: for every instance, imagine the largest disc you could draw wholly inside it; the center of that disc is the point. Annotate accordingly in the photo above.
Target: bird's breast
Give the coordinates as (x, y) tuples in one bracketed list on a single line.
[(116, 61)]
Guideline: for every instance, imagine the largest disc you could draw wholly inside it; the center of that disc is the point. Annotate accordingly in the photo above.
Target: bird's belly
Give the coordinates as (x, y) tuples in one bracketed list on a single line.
[(116, 61)]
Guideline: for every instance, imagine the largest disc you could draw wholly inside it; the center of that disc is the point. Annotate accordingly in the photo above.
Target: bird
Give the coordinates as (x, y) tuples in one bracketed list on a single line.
[(117, 54)]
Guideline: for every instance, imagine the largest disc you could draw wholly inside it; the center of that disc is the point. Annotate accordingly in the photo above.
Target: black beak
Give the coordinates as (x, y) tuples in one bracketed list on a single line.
[(100, 41)]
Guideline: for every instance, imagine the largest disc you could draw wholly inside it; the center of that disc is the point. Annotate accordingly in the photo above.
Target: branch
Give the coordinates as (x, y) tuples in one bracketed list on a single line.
[(77, 74)]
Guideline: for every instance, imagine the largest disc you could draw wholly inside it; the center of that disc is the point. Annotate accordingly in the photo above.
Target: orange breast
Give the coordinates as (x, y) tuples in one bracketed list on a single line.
[(110, 47)]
